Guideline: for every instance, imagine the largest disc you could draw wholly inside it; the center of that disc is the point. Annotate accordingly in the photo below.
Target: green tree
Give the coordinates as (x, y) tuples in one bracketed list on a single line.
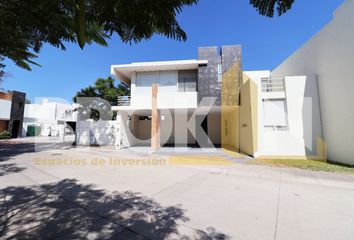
[(104, 88), (25, 25), (267, 7)]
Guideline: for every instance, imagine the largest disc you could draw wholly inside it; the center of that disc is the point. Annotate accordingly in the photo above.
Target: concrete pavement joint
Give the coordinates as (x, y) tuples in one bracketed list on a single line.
[(176, 183), (278, 204)]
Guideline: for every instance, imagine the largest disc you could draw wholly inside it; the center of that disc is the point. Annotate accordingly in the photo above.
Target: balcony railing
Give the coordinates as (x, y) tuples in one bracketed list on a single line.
[(124, 101), (273, 85)]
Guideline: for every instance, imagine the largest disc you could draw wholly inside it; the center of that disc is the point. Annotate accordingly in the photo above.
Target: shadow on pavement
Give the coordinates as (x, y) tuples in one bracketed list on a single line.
[(6, 169), (9, 149), (69, 210)]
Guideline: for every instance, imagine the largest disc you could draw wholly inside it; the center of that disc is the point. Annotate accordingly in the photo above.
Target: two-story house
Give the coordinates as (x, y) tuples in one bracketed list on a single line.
[(211, 102), (12, 104), (188, 98)]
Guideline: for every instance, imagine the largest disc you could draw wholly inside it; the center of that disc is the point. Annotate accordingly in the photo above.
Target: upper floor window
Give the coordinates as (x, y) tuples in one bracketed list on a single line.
[(167, 80), (170, 81), (146, 79), (219, 73), (187, 80)]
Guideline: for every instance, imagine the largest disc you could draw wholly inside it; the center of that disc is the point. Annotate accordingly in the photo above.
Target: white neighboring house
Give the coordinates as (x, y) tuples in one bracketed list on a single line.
[(50, 117), (288, 119), (328, 57), (11, 112)]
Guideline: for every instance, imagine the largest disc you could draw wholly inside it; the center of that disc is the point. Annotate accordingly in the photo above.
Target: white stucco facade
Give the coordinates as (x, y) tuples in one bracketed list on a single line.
[(329, 57), (288, 118), (169, 96), (5, 109)]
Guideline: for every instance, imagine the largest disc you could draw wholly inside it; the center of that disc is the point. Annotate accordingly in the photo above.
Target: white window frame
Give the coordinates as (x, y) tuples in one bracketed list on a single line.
[(219, 72), (276, 127)]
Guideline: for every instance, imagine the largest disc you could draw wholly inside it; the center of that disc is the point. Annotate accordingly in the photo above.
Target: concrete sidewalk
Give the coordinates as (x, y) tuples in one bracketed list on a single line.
[(99, 200)]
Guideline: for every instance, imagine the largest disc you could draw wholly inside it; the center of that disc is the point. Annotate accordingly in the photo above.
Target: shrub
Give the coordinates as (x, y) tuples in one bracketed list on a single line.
[(5, 135)]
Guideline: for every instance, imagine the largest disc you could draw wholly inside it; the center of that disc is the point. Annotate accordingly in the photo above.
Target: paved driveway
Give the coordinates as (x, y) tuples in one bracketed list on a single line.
[(63, 193)]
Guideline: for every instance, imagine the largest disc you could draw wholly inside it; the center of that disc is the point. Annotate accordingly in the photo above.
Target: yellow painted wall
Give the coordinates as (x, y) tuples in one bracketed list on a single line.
[(239, 112), (230, 119), (249, 117), (230, 114)]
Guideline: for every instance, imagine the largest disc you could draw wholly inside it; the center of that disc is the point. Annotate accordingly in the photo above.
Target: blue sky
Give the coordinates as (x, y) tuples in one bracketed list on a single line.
[(265, 42)]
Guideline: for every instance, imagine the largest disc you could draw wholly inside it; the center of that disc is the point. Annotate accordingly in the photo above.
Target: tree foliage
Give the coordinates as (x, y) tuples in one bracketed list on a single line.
[(267, 7), (104, 88), (25, 25)]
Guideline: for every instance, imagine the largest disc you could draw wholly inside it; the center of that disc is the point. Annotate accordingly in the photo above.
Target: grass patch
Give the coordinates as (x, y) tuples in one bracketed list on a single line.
[(314, 165)]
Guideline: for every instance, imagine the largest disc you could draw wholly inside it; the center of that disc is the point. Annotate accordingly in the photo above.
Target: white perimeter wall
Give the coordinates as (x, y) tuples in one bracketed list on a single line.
[(329, 55), (91, 132)]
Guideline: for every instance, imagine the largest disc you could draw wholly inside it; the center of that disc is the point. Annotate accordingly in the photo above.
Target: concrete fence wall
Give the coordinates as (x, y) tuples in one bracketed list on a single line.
[(96, 132)]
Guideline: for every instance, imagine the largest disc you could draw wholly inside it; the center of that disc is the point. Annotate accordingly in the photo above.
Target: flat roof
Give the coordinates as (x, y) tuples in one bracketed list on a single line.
[(123, 71)]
